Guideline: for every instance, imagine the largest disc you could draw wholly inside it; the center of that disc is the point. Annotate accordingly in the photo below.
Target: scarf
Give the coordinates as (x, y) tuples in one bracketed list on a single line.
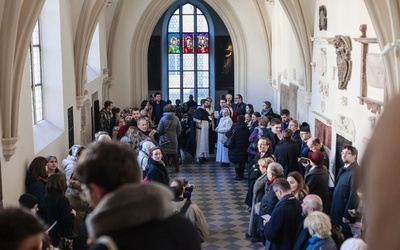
[(312, 241)]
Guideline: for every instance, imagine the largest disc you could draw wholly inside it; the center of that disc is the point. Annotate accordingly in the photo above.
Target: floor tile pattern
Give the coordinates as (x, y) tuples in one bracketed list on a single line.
[(222, 201)]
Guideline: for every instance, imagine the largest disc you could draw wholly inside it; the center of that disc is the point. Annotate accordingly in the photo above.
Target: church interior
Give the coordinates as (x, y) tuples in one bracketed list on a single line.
[(332, 64)]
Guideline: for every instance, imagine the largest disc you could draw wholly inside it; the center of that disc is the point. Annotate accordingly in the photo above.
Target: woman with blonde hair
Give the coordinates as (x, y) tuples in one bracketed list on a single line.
[(319, 226), (297, 185)]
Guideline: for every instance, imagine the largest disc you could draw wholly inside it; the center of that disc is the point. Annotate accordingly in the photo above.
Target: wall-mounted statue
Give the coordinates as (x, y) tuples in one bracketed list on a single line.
[(343, 59), (323, 19)]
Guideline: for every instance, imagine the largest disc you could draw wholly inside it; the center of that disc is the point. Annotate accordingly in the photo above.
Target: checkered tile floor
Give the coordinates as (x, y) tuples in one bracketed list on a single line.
[(222, 201)]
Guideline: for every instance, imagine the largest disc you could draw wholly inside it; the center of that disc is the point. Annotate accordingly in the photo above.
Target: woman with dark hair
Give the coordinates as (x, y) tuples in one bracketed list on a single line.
[(59, 211), (249, 109), (157, 171), (317, 179), (255, 120), (297, 185), (35, 182)]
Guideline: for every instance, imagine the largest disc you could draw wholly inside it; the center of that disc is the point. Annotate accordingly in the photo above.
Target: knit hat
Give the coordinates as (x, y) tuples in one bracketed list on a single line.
[(353, 244), (27, 201), (304, 127), (317, 157), (48, 158)]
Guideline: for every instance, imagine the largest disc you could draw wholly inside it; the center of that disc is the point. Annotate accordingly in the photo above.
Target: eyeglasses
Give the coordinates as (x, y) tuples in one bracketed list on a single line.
[(347, 153)]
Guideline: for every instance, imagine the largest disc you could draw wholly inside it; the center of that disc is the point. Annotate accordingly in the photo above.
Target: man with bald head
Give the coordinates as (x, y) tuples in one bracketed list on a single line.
[(310, 204)]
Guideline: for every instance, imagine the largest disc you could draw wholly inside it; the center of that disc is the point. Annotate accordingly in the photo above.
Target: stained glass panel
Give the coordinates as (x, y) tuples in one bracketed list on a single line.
[(202, 42), (202, 94), (188, 23), (173, 25), (202, 25), (38, 103), (174, 79), (188, 43), (188, 9), (35, 34), (174, 43), (174, 62), (203, 80), (187, 92), (202, 61), (176, 12), (188, 61), (188, 79), (174, 94)]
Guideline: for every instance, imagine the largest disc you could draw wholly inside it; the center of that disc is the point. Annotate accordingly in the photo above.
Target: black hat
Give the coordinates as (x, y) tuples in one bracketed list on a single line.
[(27, 201), (304, 127)]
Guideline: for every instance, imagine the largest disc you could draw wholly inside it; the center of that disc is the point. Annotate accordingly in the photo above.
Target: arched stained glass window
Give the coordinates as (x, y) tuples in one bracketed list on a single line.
[(188, 49)]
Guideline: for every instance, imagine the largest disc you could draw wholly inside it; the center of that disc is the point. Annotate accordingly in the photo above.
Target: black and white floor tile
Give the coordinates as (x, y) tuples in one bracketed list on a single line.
[(222, 201)]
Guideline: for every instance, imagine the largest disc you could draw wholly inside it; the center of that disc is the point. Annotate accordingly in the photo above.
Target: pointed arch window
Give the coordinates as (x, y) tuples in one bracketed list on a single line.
[(188, 49), (36, 80)]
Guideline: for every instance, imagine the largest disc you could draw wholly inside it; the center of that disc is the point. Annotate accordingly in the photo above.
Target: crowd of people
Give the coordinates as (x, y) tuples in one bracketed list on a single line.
[(291, 202)]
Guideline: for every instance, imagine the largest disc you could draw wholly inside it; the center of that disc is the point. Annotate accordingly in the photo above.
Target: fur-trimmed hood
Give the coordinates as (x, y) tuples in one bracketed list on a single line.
[(129, 206)]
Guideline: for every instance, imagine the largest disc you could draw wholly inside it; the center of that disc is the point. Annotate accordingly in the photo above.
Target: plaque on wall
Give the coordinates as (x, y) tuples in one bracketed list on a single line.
[(70, 114), (324, 133)]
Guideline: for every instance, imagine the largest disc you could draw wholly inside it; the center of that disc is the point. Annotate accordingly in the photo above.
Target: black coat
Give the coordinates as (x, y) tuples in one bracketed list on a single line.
[(274, 140), (157, 172), (58, 209), (281, 230), (345, 195), (302, 237), (166, 235), (287, 153), (317, 181), (238, 154)]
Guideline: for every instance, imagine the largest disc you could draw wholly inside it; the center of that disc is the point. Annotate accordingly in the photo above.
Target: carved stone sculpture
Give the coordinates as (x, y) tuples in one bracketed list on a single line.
[(323, 20), (343, 60), (322, 65), (345, 127)]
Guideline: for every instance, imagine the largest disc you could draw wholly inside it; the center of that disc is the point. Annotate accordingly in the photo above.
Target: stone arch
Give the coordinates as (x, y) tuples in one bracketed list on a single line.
[(142, 35)]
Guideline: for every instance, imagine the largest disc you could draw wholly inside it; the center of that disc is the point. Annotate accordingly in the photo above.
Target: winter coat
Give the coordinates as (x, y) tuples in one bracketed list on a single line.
[(37, 188), (317, 180), (68, 165), (238, 154), (169, 129), (142, 217), (287, 153), (58, 209), (158, 172)]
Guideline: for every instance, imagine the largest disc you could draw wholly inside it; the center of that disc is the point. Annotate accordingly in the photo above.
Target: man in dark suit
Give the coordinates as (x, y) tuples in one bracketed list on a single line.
[(345, 194), (287, 152), (280, 230), (310, 204)]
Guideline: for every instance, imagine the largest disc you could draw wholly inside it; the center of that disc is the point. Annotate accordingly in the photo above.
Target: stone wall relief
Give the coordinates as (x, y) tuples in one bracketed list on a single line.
[(301, 80), (345, 127), (86, 123), (343, 48), (324, 89), (323, 19), (285, 74), (344, 101), (294, 76), (322, 62), (372, 121), (372, 73)]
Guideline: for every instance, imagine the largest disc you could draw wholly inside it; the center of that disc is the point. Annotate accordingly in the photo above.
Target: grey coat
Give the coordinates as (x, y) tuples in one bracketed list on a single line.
[(169, 129)]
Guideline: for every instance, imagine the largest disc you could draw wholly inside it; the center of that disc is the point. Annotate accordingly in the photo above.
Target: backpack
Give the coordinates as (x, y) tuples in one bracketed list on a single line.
[(184, 208)]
